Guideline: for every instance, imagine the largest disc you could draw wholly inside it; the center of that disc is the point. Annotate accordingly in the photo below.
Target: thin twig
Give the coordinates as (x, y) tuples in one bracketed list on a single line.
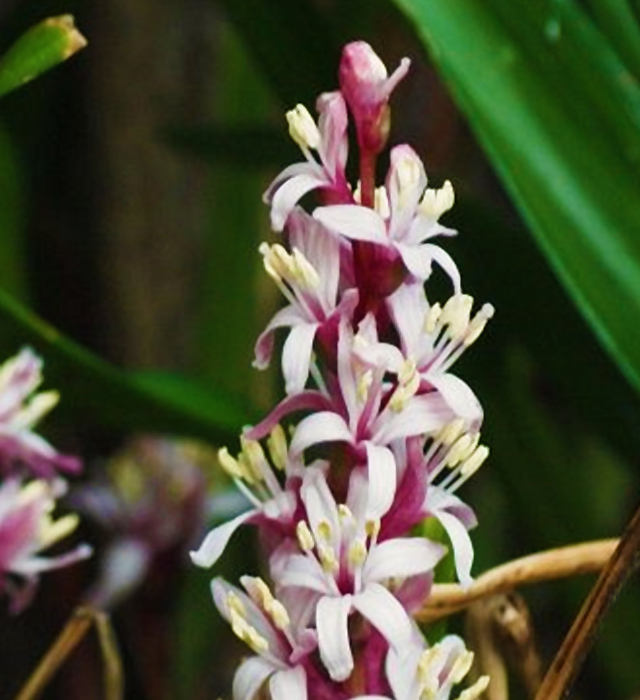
[(563, 562), (113, 676), (624, 561), (71, 634)]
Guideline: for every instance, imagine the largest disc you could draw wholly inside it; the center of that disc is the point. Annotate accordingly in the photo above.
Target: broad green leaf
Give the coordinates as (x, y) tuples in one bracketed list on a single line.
[(50, 42), (559, 116), (95, 391)]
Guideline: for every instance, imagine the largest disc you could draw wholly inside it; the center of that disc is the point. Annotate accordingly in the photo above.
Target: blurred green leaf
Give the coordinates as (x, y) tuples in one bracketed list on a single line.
[(12, 214), (250, 146), (559, 116), (48, 43), (291, 43), (98, 392)]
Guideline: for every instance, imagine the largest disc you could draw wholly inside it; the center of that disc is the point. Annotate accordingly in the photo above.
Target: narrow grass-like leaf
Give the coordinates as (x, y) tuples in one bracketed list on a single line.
[(559, 116), (50, 42), (96, 391)]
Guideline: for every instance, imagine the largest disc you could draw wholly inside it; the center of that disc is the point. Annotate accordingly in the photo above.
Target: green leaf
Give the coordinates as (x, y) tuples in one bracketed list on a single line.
[(48, 43), (559, 116), (95, 391), (249, 146), (291, 43)]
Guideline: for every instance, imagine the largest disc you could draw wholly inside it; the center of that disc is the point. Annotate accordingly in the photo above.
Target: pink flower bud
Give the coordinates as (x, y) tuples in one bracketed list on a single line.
[(366, 88)]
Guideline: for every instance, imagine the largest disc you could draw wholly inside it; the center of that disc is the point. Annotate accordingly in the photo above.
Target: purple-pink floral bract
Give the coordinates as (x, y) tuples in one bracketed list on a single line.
[(380, 433)]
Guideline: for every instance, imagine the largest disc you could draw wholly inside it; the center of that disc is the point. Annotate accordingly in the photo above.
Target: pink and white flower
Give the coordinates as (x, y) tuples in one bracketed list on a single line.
[(344, 570), (278, 636), (26, 528), (21, 449), (273, 504), (430, 672), (329, 140), (309, 278), (406, 219)]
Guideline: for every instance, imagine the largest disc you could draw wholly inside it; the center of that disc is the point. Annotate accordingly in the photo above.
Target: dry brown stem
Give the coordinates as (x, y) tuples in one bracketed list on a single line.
[(563, 562)]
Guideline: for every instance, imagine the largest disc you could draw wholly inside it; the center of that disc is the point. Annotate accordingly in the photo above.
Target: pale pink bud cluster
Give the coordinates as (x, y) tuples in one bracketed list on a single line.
[(31, 484), (381, 435)]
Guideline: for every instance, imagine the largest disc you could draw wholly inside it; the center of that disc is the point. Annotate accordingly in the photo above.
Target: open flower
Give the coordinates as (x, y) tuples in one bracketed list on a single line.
[(22, 450), (420, 672), (278, 636), (26, 528), (273, 504), (344, 570), (407, 219), (329, 140), (309, 278)]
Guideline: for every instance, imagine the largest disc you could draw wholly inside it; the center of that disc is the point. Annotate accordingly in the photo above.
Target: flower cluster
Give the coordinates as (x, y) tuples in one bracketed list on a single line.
[(382, 435), (31, 483)]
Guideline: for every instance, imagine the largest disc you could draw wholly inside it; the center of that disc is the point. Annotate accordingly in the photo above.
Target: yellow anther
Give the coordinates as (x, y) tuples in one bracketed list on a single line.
[(259, 591), (450, 432), (364, 382), (229, 464), (235, 604), (277, 446), (344, 512), (461, 666), (253, 457), (51, 531), (432, 317), (304, 536), (302, 127), (325, 532), (33, 491), (459, 449), (456, 314), (279, 615), (478, 323), (407, 175), (39, 405), (305, 273), (474, 462), (328, 559), (248, 634), (357, 553), (476, 690), (381, 202), (372, 527), (265, 250), (435, 202)]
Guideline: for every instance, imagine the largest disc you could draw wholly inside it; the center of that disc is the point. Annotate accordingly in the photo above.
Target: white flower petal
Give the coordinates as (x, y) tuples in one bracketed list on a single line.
[(422, 414), (214, 543), (401, 557), (354, 222), (296, 356), (291, 192), (319, 502), (461, 543), (459, 397), (289, 684), (385, 613), (299, 571), (250, 676), (289, 316), (333, 637), (325, 426), (381, 468)]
